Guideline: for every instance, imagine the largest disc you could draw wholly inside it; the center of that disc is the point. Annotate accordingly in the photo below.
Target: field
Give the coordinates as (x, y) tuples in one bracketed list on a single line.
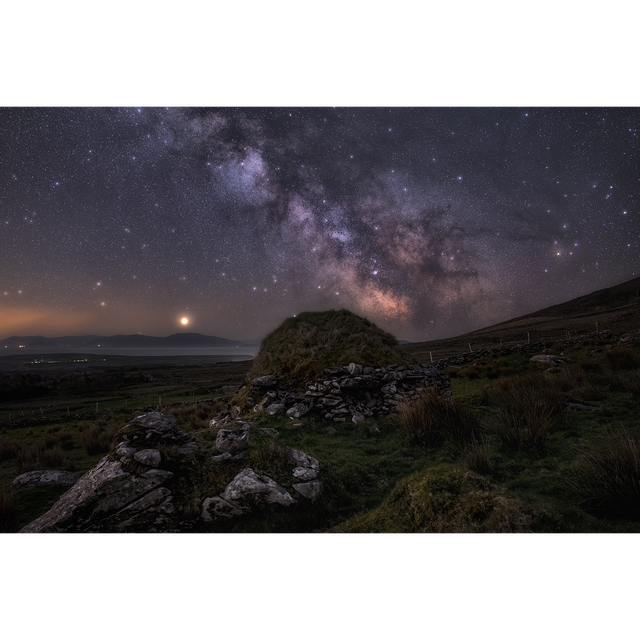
[(510, 457)]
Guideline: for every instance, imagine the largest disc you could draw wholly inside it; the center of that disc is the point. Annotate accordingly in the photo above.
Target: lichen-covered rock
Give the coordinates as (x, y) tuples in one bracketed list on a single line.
[(96, 500), (216, 508), (233, 440), (310, 490), (33, 479), (298, 410), (264, 382), (249, 490), (149, 457)]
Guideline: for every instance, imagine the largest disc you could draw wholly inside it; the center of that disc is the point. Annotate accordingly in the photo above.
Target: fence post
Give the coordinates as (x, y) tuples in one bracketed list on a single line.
[(470, 349), (431, 356)]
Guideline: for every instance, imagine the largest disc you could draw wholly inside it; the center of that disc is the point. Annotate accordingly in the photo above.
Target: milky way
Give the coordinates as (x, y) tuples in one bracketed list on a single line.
[(429, 221)]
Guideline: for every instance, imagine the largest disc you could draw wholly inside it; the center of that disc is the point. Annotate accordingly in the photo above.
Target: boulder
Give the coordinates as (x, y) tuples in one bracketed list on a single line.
[(233, 440), (107, 498), (148, 457), (248, 491), (33, 479), (216, 508), (355, 369), (274, 408), (264, 382), (310, 490), (298, 409)]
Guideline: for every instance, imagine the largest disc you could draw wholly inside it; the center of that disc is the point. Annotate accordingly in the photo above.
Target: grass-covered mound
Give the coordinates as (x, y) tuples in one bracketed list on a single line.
[(302, 346)]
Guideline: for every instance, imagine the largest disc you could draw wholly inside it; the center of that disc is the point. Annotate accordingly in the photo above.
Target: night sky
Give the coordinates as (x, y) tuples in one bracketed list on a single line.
[(429, 221)]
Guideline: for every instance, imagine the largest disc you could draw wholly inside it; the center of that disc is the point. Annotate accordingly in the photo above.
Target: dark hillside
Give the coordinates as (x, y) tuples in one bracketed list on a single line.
[(616, 308)]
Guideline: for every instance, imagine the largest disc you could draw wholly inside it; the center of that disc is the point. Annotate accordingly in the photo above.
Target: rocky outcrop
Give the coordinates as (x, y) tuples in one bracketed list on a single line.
[(249, 491), (354, 392), (132, 488), (128, 490)]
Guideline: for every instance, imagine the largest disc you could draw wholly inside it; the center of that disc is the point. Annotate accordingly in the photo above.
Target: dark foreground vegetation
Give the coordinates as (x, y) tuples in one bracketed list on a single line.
[(512, 453)]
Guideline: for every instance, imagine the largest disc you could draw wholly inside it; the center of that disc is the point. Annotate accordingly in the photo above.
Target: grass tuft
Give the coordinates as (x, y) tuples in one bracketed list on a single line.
[(432, 419), (607, 476), (527, 406), (8, 512)]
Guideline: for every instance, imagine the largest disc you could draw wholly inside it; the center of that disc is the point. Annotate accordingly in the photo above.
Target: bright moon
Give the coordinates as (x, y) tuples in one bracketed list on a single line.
[(184, 320)]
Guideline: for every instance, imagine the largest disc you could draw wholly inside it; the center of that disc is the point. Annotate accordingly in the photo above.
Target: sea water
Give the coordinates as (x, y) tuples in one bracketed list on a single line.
[(224, 353)]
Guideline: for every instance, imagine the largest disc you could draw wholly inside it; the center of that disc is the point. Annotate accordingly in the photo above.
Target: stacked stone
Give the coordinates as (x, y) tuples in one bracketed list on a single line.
[(354, 392)]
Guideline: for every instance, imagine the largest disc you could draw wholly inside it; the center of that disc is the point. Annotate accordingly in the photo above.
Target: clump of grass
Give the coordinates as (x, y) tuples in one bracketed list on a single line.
[(9, 449), (302, 346), (95, 440), (607, 476), (63, 439), (38, 457), (97, 437), (527, 405), (195, 416), (622, 359), (477, 456), (432, 419)]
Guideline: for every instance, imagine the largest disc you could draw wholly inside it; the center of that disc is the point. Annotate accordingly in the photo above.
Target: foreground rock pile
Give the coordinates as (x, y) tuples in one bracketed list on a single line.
[(354, 392), (132, 488)]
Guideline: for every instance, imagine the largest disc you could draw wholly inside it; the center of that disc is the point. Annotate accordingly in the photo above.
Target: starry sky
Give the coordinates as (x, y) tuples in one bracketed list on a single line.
[(429, 221)]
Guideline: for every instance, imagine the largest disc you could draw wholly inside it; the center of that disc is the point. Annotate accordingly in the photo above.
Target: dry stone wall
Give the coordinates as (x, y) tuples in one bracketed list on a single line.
[(351, 393)]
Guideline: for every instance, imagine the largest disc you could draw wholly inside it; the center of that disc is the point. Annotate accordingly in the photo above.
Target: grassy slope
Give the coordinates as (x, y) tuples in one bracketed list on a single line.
[(379, 479)]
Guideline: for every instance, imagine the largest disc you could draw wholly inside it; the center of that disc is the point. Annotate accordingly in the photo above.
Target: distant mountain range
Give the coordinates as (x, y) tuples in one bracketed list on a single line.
[(177, 340)]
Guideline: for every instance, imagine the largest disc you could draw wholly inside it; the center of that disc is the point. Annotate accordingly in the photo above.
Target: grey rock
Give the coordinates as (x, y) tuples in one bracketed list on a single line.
[(94, 503), (374, 428), (230, 389), (274, 408), (331, 430), (355, 369), (233, 440), (125, 452), (269, 431), (301, 459), (222, 457), (356, 416), (149, 457), (310, 490), (304, 473), (574, 406), (248, 490), (216, 508), (264, 382), (389, 389), (298, 410), (158, 421), (33, 479)]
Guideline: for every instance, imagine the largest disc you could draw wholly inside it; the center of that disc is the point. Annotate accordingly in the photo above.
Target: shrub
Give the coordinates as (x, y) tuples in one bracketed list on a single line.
[(432, 419), (607, 476)]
